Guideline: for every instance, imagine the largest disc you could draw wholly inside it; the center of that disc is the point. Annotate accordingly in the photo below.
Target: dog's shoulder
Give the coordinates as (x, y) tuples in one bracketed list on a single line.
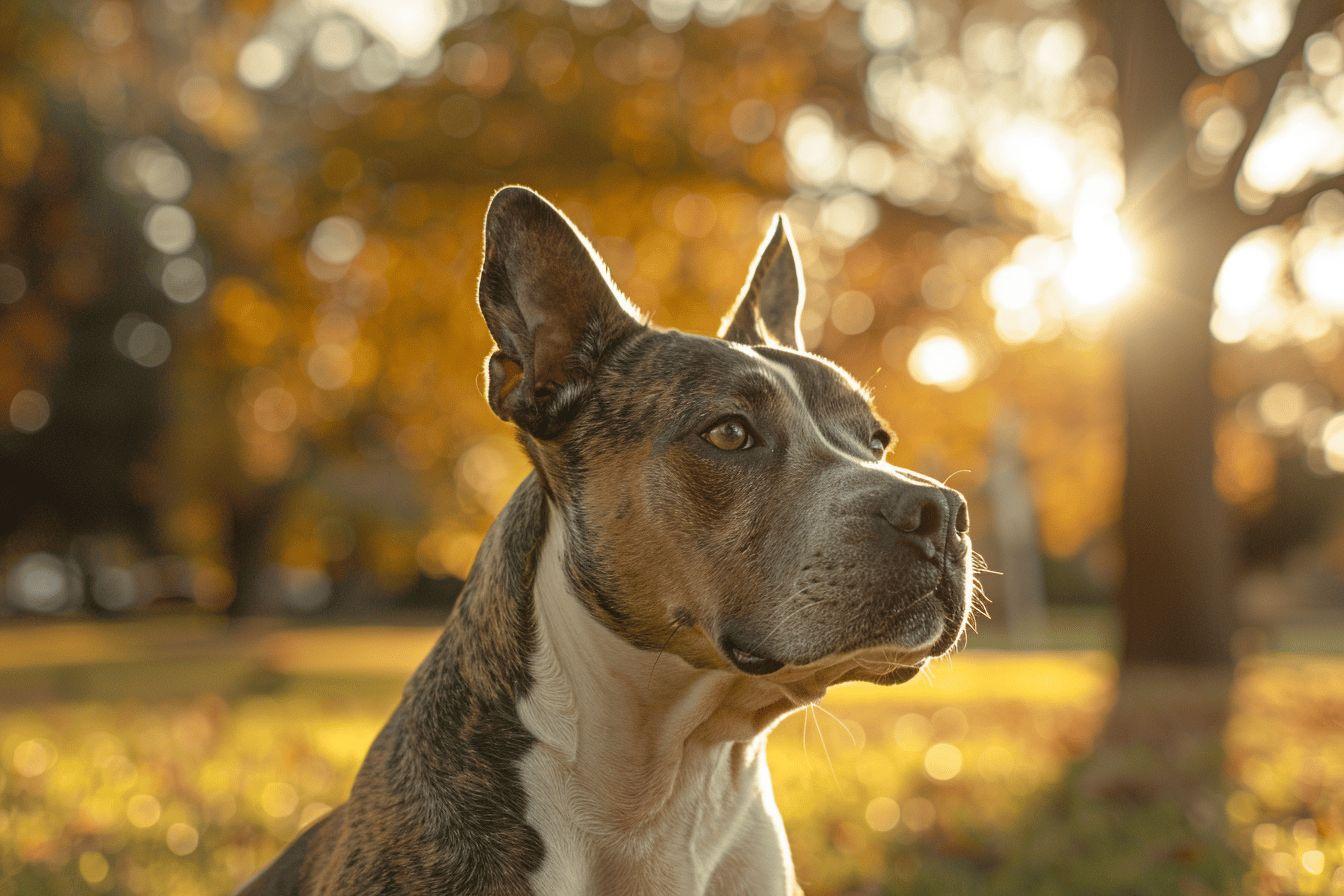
[(438, 804), (285, 875)]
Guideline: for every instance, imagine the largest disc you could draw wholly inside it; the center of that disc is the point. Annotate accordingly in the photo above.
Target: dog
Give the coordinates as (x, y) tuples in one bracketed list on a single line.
[(710, 537)]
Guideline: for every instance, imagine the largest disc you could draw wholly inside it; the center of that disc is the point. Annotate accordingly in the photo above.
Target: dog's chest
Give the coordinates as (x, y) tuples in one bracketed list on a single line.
[(712, 836)]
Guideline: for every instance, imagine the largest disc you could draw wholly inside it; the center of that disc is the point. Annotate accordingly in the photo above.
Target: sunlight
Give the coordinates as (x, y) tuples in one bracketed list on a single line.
[(942, 359), (412, 27), (1253, 267), (1300, 142), (1080, 279), (1260, 25), (1033, 153), (1012, 286), (1103, 264), (1332, 443), (1248, 292), (1319, 268), (1276, 287), (816, 153)]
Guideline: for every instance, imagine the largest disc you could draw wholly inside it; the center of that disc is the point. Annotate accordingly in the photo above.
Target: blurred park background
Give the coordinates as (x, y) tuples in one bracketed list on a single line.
[(1089, 256)]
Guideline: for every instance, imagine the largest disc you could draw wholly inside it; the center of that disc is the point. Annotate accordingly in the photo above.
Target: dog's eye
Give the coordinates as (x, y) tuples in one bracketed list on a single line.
[(729, 435), (879, 443)]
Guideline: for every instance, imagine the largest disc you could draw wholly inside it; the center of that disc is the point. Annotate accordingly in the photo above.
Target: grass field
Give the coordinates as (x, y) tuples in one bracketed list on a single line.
[(175, 757)]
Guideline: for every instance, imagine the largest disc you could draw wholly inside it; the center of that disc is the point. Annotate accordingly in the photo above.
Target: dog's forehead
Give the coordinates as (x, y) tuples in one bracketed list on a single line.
[(690, 369), (826, 386)]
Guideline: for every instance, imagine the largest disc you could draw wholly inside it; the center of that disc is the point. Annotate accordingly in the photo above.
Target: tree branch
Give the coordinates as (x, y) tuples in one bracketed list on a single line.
[(1312, 16)]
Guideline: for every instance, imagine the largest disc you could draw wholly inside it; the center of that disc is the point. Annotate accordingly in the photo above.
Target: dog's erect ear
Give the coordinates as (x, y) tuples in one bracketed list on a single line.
[(767, 311), (551, 309)]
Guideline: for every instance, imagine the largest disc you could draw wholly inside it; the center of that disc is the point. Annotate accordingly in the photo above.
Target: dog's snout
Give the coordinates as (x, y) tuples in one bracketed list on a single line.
[(920, 516)]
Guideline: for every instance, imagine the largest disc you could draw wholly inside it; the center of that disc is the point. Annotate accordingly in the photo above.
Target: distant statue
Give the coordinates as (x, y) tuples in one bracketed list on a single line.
[(1020, 592)]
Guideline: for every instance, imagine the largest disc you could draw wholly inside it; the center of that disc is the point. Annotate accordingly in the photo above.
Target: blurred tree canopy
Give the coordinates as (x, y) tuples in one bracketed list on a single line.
[(237, 324)]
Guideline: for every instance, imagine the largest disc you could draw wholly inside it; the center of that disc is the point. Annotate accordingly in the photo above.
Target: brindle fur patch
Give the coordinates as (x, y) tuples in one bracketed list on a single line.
[(437, 806)]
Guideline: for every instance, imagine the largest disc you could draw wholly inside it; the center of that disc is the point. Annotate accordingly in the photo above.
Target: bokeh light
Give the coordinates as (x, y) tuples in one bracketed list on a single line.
[(942, 359), (29, 411), (170, 229)]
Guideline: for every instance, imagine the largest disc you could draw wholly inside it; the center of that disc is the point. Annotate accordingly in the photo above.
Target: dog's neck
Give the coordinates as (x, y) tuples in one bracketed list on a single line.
[(634, 726), (635, 773)]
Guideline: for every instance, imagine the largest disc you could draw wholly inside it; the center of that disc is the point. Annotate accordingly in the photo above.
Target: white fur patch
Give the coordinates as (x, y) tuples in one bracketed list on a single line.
[(648, 775)]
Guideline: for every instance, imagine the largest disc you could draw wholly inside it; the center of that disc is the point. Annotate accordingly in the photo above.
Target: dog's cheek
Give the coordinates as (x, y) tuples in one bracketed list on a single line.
[(627, 546)]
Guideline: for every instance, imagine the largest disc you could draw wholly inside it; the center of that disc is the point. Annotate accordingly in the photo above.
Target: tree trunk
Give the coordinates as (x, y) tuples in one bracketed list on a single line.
[(251, 525), (1176, 602)]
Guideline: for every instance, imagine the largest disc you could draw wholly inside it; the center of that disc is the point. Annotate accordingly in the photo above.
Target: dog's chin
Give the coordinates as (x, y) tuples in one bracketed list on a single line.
[(898, 675), (885, 657)]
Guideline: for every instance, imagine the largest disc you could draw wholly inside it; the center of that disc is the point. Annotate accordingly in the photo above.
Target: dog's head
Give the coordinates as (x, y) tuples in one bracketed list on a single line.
[(727, 498)]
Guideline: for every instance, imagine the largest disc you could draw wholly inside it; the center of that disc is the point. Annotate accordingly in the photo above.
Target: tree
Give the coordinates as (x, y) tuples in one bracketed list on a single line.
[(72, 293), (1176, 597)]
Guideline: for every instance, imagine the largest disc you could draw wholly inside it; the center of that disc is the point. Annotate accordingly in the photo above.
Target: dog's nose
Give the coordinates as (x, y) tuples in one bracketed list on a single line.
[(920, 515)]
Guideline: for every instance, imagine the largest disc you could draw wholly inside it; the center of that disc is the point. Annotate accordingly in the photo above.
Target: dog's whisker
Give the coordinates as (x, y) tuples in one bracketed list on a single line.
[(839, 721), (979, 604), (981, 566), (654, 668), (885, 668), (806, 760), (963, 638), (954, 473), (821, 736), (866, 387)]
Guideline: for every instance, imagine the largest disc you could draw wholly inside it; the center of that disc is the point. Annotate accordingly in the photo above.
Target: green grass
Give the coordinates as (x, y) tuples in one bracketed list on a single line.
[(166, 757)]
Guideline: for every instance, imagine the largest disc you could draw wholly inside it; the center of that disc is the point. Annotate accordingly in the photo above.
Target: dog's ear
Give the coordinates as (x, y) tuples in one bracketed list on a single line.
[(771, 302), (551, 309)]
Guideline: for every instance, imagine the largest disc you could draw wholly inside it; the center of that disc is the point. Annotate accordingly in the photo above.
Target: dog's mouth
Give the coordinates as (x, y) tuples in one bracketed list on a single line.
[(901, 650), (757, 664), (747, 661)]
